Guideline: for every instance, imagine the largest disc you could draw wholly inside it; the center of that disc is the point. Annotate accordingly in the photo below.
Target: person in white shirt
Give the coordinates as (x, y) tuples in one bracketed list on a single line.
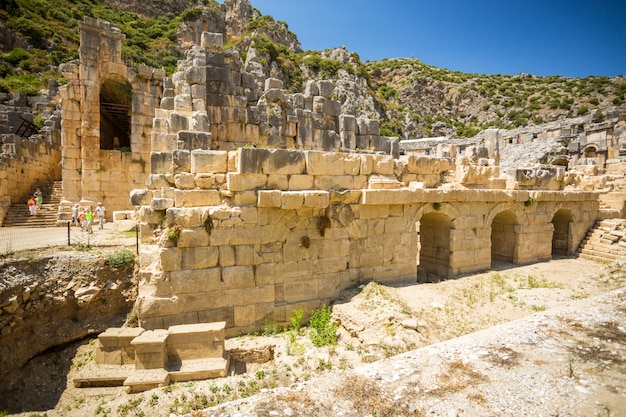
[(100, 211)]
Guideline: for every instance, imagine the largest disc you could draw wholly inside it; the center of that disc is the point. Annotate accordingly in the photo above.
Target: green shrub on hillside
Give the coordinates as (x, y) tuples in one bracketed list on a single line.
[(16, 56)]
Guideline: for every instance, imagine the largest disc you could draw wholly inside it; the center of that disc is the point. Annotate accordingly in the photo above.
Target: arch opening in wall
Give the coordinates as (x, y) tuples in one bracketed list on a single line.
[(503, 237), (561, 160), (115, 115), (562, 222), (591, 151), (434, 247)]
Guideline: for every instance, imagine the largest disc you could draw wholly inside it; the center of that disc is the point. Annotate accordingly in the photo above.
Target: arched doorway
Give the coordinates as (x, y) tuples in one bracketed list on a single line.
[(503, 237), (434, 247), (591, 151), (561, 160), (115, 115), (561, 235)]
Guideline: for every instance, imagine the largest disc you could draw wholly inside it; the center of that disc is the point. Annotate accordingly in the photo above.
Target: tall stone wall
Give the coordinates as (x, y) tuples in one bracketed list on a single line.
[(90, 173), (244, 235)]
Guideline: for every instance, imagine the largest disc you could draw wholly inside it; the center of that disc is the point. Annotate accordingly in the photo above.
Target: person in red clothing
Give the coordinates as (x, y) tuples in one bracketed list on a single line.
[(32, 206)]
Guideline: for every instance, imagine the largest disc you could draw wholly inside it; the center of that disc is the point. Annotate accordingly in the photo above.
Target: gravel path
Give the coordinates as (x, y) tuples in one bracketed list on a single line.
[(13, 239)]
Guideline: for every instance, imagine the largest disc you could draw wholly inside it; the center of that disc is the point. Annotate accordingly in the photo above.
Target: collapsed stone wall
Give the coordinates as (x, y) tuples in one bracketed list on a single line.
[(214, 101), (245, 235)]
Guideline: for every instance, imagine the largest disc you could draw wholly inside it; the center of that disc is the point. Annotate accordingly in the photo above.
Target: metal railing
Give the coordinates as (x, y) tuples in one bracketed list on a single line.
[(15, 239)]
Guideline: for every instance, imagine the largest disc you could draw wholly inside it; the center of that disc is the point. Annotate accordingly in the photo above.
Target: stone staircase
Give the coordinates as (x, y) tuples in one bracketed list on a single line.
[(142, 359), (18, 214), (606, 242)]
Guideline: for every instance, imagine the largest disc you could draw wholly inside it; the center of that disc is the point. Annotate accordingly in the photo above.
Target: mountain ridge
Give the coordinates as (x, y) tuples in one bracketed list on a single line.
[(411, 99)]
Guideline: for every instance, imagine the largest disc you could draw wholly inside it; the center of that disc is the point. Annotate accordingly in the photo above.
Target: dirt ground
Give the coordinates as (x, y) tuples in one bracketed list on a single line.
[(543, 339)]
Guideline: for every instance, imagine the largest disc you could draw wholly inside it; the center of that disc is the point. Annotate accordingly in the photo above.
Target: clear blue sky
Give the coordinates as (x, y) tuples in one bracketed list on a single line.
[(574, 38)]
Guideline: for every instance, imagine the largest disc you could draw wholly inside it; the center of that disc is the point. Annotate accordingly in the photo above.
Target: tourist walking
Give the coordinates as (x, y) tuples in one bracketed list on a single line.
[(81, 219), (32, 206), (100, 211), (75, 218), (89, 219), (38, 198)]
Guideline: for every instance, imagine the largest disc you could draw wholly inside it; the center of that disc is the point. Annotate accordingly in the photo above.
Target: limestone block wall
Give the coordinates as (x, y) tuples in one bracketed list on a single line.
[(23, 162), (89, 172), (245, 235)]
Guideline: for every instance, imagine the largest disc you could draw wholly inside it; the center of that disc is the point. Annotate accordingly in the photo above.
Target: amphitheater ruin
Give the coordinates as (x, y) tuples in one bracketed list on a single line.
[(253, 202)]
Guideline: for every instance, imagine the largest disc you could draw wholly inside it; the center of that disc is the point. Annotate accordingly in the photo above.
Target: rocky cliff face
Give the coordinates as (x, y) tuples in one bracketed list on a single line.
[(412, 99), (55, 300)]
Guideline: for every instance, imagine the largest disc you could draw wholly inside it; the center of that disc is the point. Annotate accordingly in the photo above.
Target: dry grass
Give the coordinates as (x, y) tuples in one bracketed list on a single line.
[(504, 357), (458, 376), (368, 398)]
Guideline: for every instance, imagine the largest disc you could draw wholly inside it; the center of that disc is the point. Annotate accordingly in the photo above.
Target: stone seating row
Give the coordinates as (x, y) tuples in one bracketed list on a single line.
[(142, 359)]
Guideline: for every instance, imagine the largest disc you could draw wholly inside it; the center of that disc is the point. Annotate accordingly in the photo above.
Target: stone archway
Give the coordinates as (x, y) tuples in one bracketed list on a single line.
[(115, 115), (590, 151), (434, 246), (561, 235), (561, 160), (504, 237)]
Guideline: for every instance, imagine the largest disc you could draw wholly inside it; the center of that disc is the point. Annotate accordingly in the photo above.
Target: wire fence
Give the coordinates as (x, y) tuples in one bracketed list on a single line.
[(15, 239)]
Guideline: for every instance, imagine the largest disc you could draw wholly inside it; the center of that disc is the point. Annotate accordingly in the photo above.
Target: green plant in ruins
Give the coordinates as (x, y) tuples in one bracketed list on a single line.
[(120, 258), (323, 331), (296, 319)]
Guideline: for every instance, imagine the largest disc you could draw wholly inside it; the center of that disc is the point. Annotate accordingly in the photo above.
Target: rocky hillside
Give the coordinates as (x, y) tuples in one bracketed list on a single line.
[(410, 98)]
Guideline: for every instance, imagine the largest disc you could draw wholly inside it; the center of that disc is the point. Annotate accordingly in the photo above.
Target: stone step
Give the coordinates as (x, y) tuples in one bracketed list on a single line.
[(144, 379), (103, 376), (606, 251), (195, 369), (18, 215), (605, 242), (592, 252), (596, 258)]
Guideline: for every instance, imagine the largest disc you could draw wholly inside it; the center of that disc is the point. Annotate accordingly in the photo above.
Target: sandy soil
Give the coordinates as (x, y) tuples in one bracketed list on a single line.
[(543, 339)]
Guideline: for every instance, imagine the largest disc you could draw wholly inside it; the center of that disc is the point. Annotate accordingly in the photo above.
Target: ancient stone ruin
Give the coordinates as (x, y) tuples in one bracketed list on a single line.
[(107, 121), (253, 202), (141, 360)]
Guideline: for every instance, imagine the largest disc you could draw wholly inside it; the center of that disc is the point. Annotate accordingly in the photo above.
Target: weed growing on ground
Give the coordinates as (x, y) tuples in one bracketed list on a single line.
[(82, 359), (120, 258), (295, 348), (580, 296), (296, 319), (532, 282), (185, 405), (270, 326), (131, 406), (570, 367), (324, 365), (323, 331), (100, 410)]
